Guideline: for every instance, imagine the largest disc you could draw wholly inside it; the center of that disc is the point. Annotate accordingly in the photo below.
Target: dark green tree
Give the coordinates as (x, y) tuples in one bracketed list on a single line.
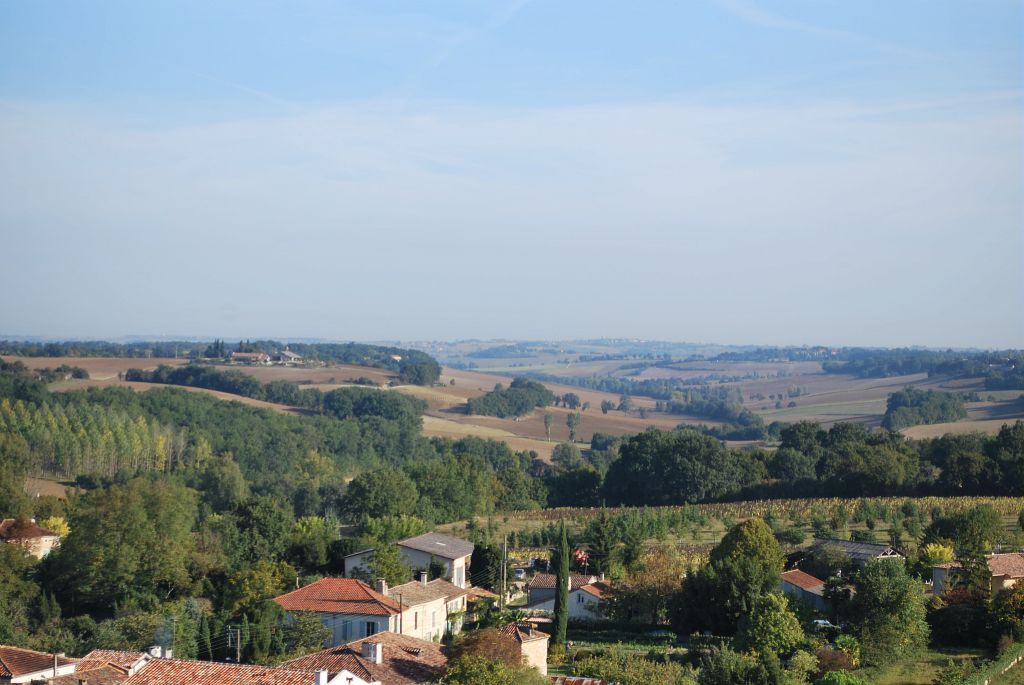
[(888, 613), (205, 641), (566, 456), (562, 586), (745, 565), (573, 422), (602, 541), (382, 492)]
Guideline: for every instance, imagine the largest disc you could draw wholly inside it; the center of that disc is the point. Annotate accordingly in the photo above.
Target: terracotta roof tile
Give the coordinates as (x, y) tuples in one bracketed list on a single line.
[(523, 632), (1011, 565), (802, 580), (339, 596), (15, 661), (25, 530), (1007, 564), (547, 580), (573, 680), (405, 660), (182, 672), (104, 657), (598, 589), (480, 593), (100, 675)]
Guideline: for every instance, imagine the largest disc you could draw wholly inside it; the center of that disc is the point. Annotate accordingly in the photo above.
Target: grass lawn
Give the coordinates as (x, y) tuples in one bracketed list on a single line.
[(919, 671), (1015, 676)]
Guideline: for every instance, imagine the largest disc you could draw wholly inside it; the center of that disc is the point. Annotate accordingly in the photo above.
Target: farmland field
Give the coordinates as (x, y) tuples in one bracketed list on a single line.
[(717, 513), (99, 368), (138, 386), (816, 396)]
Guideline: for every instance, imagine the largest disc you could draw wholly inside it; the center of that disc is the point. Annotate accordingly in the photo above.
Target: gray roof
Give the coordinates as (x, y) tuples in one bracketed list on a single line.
[(442, 546), (415, 592), (857, 551)]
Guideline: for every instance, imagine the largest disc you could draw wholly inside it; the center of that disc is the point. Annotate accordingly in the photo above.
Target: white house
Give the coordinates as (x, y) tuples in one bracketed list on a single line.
[(430, 609), (1005, 570), (28, 535), (418, 552), (286, 356), (349, 607), (542, 586), (533, 644), (585, 601)]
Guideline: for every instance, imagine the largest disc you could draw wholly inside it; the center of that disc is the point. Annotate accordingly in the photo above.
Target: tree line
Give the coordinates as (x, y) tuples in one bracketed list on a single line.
[(1001, 370), (520, 398), (913, 406), (412, 366), (340, 403)]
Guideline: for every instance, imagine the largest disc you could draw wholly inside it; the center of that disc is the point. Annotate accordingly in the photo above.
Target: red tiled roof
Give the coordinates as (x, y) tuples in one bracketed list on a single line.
[(339, 596), (15, 661), (573, 680), (802, 580), (25, 530), (101, 675), (104, 657), (181, 672), (405, 660), (547, 580), (597, 589), (1011, 565), (523, 632), (480, 593), (103, 667)]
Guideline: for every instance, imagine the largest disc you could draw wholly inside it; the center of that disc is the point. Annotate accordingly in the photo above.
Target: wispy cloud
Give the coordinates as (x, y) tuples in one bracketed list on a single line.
[(771, 20), (259, 94)]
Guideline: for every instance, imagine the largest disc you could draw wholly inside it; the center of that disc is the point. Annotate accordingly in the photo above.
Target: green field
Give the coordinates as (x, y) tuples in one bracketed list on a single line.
[(922, 670)]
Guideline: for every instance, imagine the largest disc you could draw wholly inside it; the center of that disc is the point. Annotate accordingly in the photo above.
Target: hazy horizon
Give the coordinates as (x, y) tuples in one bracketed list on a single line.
[(778, 173)]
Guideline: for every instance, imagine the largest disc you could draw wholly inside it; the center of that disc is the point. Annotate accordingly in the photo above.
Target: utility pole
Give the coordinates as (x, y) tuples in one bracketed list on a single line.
[(238, 642), (401, 617), (504, 569)]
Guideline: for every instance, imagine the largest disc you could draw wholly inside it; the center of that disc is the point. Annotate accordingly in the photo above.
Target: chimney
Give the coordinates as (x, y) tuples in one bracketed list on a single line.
[(373, 652), (602, 577), (423, 577), (321, 678), (382, 586), (168, 653)]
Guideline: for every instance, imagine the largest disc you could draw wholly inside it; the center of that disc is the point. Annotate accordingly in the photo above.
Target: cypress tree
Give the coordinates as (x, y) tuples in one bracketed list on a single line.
[(243, 637), (205, 642), (562, 587)]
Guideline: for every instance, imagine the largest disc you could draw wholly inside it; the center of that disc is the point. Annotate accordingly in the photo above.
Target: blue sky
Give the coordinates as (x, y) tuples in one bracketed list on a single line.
[(727, 171)]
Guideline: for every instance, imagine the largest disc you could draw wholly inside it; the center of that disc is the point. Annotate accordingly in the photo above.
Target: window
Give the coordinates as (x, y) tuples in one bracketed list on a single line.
[(416, 620), (371, 628), (346, 631), (579, 599)]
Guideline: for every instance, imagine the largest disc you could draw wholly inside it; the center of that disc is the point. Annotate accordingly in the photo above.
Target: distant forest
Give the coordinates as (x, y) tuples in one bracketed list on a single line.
[(412, 366)]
